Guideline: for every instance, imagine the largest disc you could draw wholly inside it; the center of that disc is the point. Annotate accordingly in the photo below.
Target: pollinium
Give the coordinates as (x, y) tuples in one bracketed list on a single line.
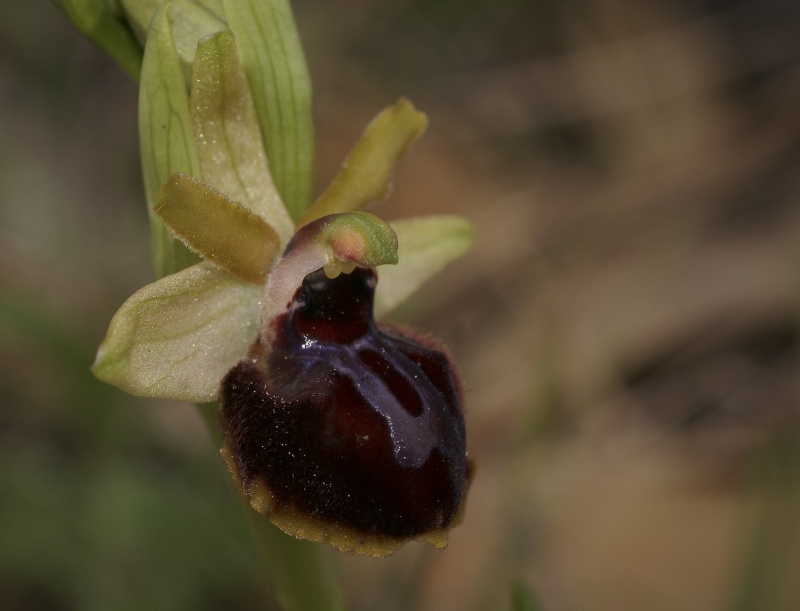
[(344, 431)]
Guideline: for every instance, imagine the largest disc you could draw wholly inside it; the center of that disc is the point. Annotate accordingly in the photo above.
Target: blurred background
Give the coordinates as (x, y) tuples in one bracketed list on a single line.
[(626, 324)]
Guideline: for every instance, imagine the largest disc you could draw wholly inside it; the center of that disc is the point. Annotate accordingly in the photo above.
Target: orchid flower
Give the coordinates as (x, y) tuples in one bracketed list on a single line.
[(336, 428)]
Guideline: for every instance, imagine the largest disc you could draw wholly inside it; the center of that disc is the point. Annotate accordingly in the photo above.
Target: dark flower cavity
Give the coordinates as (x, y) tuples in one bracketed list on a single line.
[(344, 431)]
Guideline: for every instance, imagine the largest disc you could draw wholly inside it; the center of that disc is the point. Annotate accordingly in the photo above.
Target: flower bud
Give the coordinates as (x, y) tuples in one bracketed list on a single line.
[(343, 431)]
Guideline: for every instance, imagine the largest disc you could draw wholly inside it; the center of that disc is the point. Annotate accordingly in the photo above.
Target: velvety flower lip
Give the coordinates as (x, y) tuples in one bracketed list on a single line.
[(345, 431)]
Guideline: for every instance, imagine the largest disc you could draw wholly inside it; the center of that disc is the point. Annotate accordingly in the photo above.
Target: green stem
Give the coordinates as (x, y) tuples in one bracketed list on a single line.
[(766, 577), (166, 139), (302, 572)]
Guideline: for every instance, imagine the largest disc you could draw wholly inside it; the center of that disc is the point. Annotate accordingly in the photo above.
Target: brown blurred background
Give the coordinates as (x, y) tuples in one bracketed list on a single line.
[(626, 323)]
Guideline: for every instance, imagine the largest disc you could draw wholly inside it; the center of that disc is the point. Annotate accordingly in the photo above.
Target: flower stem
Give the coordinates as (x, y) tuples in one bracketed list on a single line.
[(764, 580), (301, 571)]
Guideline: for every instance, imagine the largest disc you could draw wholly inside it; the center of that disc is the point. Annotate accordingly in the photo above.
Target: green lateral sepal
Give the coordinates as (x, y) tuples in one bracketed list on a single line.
[(177, 337)]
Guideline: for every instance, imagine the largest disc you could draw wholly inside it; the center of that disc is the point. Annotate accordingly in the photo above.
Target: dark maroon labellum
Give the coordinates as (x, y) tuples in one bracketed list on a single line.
[(353, 433)]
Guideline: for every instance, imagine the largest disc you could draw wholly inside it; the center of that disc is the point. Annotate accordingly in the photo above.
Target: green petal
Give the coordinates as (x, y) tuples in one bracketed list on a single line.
[(231, 153), (219, 229), (165, 135), (190, 22), (176, 338), (365, 177), (272, 57), (98, 20), (425, 246)]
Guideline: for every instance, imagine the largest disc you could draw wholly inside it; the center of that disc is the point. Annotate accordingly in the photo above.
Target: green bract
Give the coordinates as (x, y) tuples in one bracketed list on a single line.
[(273, 60), (190, 21), (227, 167), (166, 139)]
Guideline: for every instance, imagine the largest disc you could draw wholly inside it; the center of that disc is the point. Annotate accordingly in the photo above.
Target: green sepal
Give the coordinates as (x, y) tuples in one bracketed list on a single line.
[(190, 21), (177, 337), (426, 245), (230, 149), (218, 228), (165, 135), (98, 20), (365, 177), (272, 57)]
